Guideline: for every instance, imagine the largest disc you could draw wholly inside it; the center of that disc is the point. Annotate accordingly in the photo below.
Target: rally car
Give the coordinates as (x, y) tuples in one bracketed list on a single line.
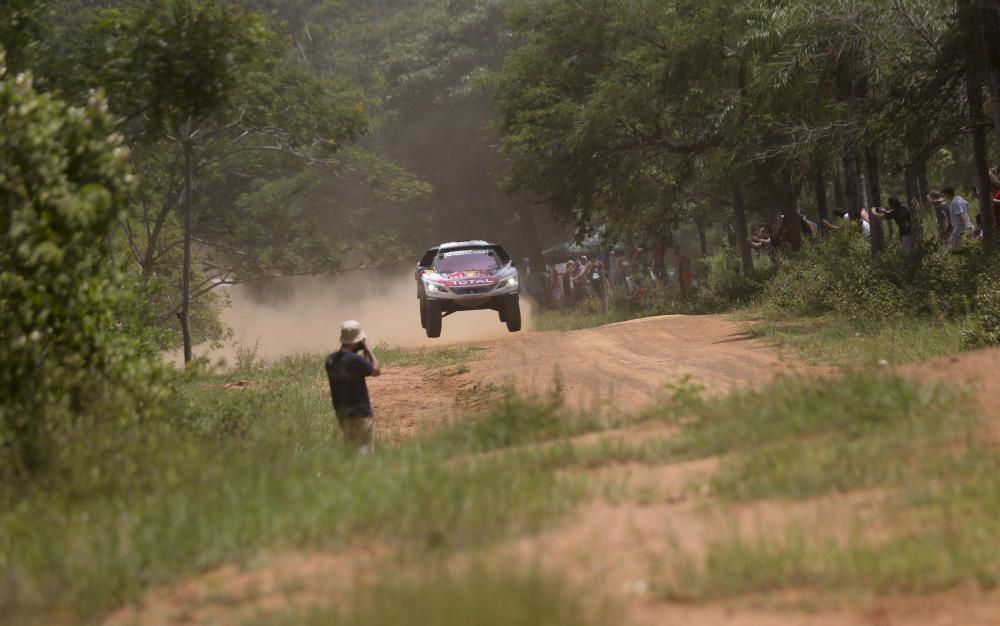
[(467, 276)]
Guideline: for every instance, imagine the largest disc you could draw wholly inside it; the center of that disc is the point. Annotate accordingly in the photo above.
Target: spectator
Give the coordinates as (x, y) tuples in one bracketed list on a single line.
[(866, 226), (597, 278), (901, 214), (958, 213), (569, 294), (760, 241), (940, 206), (556, 286), (809, 227), (580, 278)]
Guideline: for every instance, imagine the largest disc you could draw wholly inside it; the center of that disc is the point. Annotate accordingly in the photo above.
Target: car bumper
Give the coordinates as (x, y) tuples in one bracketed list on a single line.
[(459, 295)]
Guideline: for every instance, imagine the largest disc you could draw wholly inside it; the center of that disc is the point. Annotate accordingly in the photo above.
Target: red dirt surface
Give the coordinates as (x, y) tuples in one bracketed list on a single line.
[(607, 548)]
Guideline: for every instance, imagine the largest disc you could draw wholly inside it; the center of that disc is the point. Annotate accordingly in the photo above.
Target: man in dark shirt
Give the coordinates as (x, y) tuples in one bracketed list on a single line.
[(901, 214), (346, 370)]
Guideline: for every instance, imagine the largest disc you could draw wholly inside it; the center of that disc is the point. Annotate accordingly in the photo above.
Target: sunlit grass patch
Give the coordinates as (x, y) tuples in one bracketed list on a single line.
[(838, 340), (578, 319)]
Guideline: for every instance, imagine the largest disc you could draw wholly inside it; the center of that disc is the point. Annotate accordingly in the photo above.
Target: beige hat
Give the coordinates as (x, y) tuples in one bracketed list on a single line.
[(350, 332)]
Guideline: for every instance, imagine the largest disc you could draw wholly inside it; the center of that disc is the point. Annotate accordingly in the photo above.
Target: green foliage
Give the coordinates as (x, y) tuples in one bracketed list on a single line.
[(838, 274), (726, 284), (985, 322), (66, 373), (840, 340)]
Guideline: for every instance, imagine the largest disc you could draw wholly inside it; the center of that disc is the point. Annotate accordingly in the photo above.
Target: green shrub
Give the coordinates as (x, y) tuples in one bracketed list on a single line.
[(985, 327), (837, 274), (725, 283), (67, 374)]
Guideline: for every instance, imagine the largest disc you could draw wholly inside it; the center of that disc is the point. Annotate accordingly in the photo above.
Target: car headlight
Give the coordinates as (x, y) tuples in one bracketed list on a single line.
[(432, 287), (508, 282)]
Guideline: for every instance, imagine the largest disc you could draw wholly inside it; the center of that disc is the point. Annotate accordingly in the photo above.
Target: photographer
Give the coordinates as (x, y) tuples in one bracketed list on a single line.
[(346, 370), (901, 214)]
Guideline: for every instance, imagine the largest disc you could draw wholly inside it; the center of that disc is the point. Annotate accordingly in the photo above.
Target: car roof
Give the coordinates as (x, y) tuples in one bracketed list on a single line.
[(476, 243)]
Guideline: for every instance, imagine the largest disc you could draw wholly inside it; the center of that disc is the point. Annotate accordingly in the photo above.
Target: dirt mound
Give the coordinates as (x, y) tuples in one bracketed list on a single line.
[(627, 366)]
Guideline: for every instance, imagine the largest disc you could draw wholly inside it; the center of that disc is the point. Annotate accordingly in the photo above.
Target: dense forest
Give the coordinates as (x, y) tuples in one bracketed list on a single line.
[(155, 151)]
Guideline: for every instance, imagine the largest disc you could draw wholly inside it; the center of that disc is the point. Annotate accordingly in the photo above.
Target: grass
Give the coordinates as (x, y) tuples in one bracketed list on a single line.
[(804, 439), (430, 359), (478, 596), (837, 340), (578, 319), (801, 438), (236, 471)]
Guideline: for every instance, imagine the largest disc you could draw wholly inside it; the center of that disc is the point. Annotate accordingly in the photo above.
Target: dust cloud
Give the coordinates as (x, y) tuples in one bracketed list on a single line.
[(303, 315)]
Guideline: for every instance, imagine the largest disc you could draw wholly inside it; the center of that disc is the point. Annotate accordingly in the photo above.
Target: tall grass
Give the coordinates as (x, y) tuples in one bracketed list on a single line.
[(839, 340), (240, 469)]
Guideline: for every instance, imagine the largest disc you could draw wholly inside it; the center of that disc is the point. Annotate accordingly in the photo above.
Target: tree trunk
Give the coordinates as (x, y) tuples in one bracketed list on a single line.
[(875, 198), (913, 200), (839, 196), (742, 236), (990, 11), (822, 211), (699, 224), (852, 184), (534, 245), (185, 314), (974, 96)]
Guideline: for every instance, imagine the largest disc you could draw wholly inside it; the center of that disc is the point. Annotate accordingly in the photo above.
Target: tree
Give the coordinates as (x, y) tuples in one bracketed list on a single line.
[(990, 11), (64, 368), (207, 83)]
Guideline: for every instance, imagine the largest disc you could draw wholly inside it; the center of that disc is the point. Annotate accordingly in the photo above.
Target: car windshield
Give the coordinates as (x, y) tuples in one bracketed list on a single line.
[(467, 261)]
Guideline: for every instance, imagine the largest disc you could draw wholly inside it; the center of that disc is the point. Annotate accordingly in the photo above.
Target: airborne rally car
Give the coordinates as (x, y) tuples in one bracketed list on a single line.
[(467, 276)]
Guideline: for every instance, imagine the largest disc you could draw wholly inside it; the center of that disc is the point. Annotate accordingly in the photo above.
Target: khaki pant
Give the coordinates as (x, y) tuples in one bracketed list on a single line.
[(359, 433)]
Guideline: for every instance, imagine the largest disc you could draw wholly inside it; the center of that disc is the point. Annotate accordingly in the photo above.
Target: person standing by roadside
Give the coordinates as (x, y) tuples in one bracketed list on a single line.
[(581, 279), (958, 212), (940, 207), (346, 371), (901, 214)]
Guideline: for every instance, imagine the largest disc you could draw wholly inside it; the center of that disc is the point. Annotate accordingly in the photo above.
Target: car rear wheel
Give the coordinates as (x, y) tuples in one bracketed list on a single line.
[(432, 314), (512, 313)]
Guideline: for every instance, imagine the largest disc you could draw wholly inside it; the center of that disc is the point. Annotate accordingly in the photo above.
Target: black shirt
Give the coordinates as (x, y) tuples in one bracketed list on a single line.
[(346, 372), (903, 218)]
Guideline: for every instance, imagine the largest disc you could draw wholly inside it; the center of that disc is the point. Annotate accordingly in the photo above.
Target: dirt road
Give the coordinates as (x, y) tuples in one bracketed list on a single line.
[(629, 363), (620, 367)]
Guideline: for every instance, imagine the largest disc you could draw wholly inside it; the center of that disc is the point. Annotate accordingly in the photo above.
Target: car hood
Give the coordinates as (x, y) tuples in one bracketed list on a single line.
[(470, 278)]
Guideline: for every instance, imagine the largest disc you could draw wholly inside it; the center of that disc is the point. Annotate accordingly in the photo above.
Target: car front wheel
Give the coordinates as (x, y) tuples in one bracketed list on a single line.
[(432, 314), (512, 313)]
